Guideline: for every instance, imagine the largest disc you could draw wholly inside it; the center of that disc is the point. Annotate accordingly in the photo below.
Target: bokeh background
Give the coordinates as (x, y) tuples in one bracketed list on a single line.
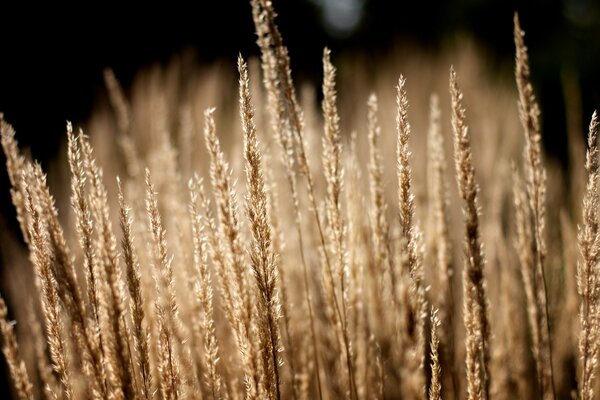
[(52, 57)]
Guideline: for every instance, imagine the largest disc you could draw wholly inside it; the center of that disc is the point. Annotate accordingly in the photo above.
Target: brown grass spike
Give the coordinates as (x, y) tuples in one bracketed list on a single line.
[(475, 301), (536, 193), (263, 259), (134, 286), (588, 284)]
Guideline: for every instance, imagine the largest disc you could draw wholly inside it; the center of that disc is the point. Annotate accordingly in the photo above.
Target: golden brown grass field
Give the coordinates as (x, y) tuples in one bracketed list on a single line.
[(225, 236)]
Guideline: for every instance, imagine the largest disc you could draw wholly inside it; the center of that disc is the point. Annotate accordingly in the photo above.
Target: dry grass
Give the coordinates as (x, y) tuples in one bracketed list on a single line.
[(333, 282)]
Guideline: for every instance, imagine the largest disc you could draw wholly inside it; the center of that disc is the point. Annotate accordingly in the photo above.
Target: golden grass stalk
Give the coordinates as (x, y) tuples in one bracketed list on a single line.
[(410, 275), (435, 387), (332, 148), (80, 204), (134, 286), (278, 76), (227, 283), (283, 131), (175, 212), (10, 348), (279, 85), (42, 261), (300, 376), (64, 266), (588, 284), (203, 290), (229, 290), (476, 320), (283, 102), (336, 226), (117, 352), (228, 252), (176, 218), (14, 166), (263, 259), (226, 203), (536, 193), (166, 304), (81, 207), (406, 200)]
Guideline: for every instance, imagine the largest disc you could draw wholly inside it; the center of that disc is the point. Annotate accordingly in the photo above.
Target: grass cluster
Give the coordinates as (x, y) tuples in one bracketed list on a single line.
[(298, 260)]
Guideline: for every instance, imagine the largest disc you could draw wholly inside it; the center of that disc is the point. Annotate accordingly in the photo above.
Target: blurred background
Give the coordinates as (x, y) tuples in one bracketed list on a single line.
[(52, 58)]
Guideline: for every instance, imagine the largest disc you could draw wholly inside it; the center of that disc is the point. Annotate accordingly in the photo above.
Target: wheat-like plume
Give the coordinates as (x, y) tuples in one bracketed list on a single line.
[(588, 284), (476, 315), (80, 204), (536, 192), (263, 259), (117, 351), (134, 286), (435, 387), (410, 276), (41, 258), (166, 304), (203, 288), (230, 251), (14, 166), (336, 226), (277, 106)]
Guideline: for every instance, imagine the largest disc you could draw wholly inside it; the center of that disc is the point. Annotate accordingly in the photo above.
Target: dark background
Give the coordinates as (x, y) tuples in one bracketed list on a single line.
[(52, 57)]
